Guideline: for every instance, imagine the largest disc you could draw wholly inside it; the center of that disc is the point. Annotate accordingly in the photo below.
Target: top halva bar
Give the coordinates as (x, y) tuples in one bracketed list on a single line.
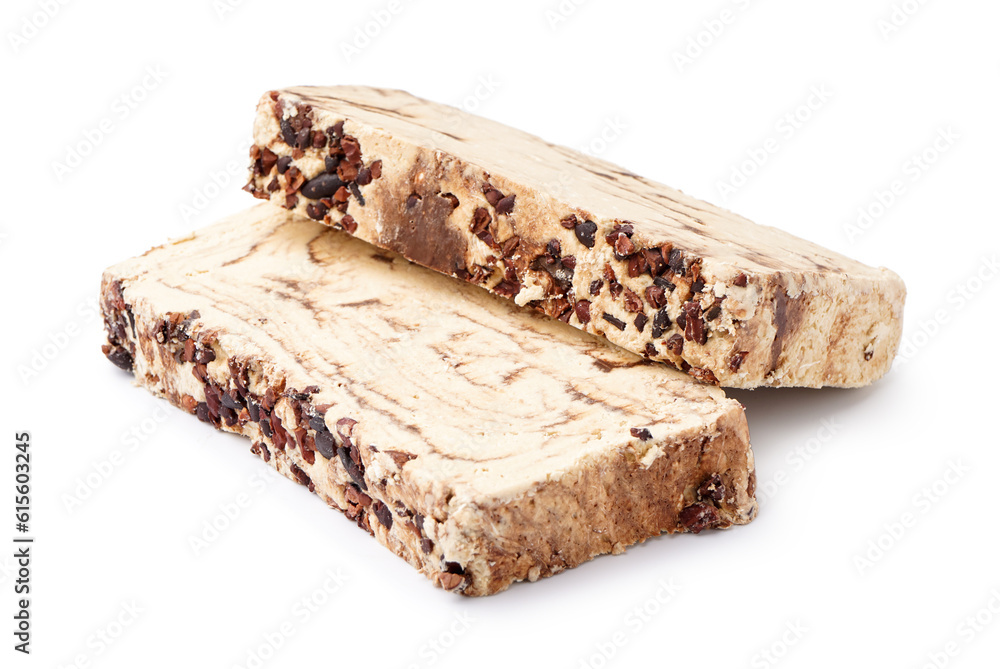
[(653, 270)]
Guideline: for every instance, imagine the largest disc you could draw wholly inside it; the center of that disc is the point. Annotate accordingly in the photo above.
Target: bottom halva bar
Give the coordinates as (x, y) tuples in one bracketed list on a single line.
[(483, 443)]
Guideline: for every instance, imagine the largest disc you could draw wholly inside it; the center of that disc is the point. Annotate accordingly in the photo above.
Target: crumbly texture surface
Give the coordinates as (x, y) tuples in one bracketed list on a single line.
[(656, 272), (482, 442)]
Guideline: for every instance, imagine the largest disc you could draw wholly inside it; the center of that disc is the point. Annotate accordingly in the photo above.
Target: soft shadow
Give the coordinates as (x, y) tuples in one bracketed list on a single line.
[(772, 412)]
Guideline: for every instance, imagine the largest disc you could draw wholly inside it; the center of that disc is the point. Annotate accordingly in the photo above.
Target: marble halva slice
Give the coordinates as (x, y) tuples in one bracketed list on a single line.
[(654, 271), (481, 442)]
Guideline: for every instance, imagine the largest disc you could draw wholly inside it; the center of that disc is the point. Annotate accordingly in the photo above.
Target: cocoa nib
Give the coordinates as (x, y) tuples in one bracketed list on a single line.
[(675, 261), (632, 302), (317, 211), (354, 470), (299, 475), (740, 280), (595, 286), (703, 375), (287, 133), (120, 358), (636, 265), (383, 513), (694, 327), (493, 196), (712, 488), (675, 344), (662, 282), (656, 296), (570, 222), (324, 185), (654, 260), (650, 350), (698, 517), (506, 205), (509, 247), (641, 433), (480, 218), (622, 244), (561, 275), (614, 321), (324, 443), (737, 360), (267, 160), (586, 232)]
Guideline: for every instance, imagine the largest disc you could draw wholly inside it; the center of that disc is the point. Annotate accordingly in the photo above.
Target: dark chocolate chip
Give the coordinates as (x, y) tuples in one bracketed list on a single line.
[(595, 286), (650, 350), (740, 280), (324, 185), (586, 232), (614, 321), (201, 410), (426, 545), (331, 163), (698, 286), (641, 433), (582, 309), (640, 322), (284, 163), (714, 312)]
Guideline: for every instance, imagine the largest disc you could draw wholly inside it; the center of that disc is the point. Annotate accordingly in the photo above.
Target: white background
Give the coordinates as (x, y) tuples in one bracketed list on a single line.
[(837, 469)]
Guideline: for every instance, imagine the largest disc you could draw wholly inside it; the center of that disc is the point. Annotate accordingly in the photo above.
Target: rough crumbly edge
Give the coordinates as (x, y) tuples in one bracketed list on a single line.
[(600, 507), (717, 323)]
